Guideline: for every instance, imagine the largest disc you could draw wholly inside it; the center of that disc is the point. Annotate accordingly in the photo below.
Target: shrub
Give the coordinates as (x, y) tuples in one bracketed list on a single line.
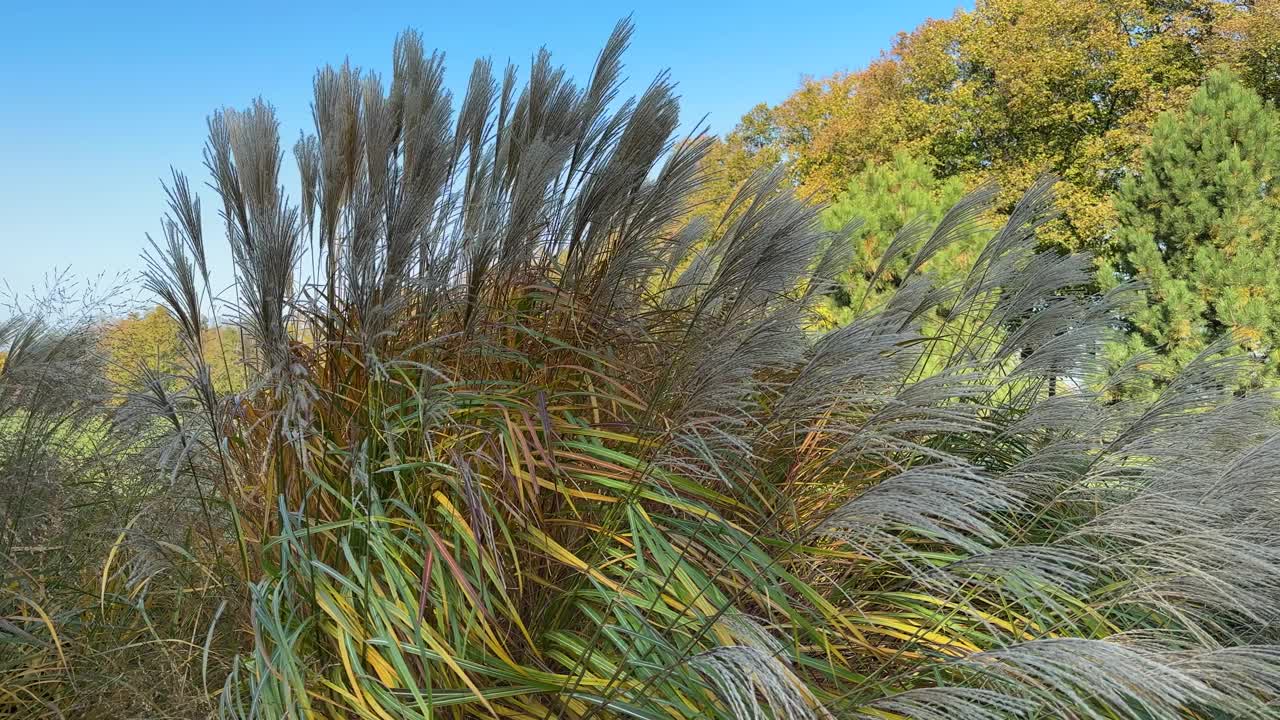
[(518, 442)]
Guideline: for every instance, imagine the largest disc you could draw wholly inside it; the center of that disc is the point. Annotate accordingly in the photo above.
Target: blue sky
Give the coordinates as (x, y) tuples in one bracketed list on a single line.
[(97, 102)]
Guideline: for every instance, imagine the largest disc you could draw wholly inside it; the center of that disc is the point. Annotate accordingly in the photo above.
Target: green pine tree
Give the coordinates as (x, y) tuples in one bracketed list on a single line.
[(1200, 228), (885, 198)]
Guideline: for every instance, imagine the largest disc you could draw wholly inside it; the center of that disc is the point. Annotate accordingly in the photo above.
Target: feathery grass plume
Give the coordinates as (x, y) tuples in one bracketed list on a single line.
[(533, 441)]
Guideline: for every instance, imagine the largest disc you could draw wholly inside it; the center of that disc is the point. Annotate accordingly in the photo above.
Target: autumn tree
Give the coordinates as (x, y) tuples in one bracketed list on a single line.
[(1014, 89), (141, 340), (1200, 227), (1250, 43), (752, 146), (151, 340)]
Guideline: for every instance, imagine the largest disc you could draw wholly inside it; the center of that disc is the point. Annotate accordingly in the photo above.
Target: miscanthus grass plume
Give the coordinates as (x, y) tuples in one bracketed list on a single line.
[(527, 435)]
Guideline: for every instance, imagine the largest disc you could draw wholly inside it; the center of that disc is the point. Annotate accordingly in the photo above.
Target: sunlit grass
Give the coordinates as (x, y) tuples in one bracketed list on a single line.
[(522, 436)]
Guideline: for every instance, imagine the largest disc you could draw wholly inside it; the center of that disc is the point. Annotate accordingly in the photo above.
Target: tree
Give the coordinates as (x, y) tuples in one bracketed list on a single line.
[(1016, 88), (141, 340), (1199, 224), (1250, 40), (752, 146), (152, 340), (878, 203)]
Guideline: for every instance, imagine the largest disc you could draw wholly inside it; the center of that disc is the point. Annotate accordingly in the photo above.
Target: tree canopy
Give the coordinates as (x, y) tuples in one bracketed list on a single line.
[(878, 204), (1199, 225), (151, 342), (1010, 90)]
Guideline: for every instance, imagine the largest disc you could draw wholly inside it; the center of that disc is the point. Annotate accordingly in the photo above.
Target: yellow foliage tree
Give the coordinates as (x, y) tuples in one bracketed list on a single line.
[(151, 340), (141, 340), (1013, 89)]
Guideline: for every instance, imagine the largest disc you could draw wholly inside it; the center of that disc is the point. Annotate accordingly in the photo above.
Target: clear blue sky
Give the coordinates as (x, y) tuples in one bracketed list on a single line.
[(97, 101)]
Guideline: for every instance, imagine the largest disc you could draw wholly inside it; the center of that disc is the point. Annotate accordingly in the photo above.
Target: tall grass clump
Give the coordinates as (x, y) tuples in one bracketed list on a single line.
[(102, 590), (527, 437), (46, 382)]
